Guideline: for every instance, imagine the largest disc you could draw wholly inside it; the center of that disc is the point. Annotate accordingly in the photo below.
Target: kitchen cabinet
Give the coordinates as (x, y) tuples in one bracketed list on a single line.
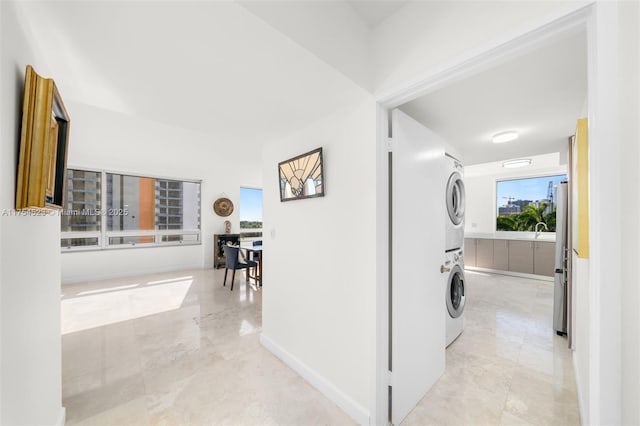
[(544, 258), (470, 251), (501, 255), (484, 253), (521, 256)]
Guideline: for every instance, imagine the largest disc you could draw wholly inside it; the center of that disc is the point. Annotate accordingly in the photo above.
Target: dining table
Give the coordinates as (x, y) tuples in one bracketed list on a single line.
[(255, 253)]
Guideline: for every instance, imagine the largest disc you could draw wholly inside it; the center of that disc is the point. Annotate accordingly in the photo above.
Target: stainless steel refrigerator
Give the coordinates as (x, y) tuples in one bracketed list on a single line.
[(560, 281)]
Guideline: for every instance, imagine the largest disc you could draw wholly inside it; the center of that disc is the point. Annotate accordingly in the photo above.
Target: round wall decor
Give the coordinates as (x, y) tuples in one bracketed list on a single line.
[(223, 207)]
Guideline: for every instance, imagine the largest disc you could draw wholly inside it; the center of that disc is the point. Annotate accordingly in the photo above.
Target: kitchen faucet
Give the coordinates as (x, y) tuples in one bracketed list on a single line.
[(536, 228)]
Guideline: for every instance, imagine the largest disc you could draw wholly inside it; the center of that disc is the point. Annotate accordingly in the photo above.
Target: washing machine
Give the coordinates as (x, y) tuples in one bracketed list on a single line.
[(455, 296), (455, 201)]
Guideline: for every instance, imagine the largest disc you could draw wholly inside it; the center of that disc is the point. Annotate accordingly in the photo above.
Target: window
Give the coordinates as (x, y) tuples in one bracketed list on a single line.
[(522, 203), (81, 224), (250, 214), (106, 210)]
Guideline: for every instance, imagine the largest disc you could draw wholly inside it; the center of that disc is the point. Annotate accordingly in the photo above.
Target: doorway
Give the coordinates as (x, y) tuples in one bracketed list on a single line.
[(581, 20)]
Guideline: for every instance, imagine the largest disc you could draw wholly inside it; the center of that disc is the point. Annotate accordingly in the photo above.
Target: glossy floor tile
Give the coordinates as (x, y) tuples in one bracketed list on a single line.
[(508, 367), (180, 349), (177, 349)]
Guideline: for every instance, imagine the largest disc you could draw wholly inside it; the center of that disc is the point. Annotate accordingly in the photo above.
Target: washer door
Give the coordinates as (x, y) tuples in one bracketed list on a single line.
[(455, 198), (455, 292)]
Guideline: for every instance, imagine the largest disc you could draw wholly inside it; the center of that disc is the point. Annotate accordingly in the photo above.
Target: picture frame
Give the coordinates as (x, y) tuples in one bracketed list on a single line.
[(44, 140), (302, 176)]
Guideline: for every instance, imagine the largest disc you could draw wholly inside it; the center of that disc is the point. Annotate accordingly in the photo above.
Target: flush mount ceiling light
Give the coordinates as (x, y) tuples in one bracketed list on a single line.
[(503, 137), (512, 164)]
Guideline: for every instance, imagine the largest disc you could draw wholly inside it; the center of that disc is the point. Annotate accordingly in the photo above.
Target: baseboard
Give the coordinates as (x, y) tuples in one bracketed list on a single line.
[(512, 274), (62, 417), (581, 407), (328, 389)]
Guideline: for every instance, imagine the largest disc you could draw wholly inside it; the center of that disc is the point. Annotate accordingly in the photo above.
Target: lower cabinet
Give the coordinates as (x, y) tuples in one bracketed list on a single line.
[(484, 253), (528, 257), (521, 256), (501, 255), (544, 258), (470, 251)]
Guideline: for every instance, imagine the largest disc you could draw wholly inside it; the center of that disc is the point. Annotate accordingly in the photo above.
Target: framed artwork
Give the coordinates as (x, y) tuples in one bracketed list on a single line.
[(44, 140), (302, 176)]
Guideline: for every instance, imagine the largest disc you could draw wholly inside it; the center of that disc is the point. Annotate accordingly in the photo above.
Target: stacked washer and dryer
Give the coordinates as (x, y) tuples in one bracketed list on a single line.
[(454, 259)]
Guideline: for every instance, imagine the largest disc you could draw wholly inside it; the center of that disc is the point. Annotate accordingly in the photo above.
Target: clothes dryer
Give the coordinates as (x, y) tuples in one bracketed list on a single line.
[(455, 202), (455, 295)]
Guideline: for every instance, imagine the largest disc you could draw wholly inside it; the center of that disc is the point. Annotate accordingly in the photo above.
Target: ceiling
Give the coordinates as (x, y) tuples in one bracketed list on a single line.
[(374, 12), (246, 71), (540, 95)]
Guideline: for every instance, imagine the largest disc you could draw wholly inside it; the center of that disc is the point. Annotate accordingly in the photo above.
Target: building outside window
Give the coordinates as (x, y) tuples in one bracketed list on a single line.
[(122, 210), (521, 203)]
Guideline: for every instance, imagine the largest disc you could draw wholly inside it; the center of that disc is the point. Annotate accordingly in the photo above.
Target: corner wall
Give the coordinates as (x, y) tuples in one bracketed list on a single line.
[(319, 260), (30, 367)]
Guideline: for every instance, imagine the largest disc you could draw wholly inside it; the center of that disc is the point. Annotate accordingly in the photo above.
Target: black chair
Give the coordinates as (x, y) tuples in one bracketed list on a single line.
[(232, 262)]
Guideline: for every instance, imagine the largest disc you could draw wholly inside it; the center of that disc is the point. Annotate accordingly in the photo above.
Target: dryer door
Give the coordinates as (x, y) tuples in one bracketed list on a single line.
[(455, 292), (455, 198)]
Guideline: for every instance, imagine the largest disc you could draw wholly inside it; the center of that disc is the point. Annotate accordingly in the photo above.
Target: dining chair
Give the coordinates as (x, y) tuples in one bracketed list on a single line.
[(232, 262)]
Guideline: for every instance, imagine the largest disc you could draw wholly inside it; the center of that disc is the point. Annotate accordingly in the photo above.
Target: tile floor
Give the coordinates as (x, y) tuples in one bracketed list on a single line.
[(178, 348), (508, 367)]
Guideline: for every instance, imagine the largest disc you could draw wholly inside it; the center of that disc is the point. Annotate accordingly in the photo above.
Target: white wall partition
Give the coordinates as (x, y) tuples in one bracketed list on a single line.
[(30, 367), (629, 70), (319, 259)]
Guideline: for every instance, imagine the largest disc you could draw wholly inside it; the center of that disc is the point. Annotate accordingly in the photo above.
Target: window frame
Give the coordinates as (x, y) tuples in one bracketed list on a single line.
[(104, 235), (509, 177), (244, 232)]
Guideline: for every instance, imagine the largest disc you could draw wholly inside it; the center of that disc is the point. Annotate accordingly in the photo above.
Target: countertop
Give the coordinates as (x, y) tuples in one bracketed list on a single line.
[(506, 235)]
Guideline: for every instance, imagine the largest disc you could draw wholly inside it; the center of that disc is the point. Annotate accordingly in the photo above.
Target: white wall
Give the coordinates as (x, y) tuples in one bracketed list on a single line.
[(607, 353), (423, 37), (480, 187), (582, 323), (31, 351), (319, 259), (629, 92), (30, 368), (108, 140)]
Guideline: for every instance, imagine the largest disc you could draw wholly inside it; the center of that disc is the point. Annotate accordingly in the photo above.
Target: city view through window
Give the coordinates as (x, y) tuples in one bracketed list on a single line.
[(522, 203)]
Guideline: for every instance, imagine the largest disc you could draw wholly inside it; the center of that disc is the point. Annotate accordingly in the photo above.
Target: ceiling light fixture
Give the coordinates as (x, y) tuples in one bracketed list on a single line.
[(503, 137), (512, 164)]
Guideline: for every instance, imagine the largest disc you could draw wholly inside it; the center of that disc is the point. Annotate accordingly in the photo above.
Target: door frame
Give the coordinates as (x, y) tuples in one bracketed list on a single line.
[(599, 21)]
